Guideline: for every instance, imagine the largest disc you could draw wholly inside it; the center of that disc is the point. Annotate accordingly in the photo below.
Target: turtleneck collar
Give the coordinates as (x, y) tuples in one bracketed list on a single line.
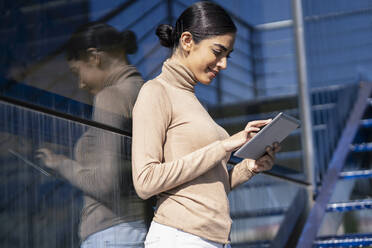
[(178, 75), (116, 74)]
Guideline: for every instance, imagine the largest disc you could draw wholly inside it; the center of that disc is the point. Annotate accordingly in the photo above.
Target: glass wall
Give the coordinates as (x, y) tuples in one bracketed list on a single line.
[(56, 132), (65, 160), (338, 37), (84, 184)]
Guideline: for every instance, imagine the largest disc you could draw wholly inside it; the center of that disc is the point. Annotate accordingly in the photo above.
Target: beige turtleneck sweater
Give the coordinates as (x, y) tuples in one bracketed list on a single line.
[(177, 155), (102, 168)]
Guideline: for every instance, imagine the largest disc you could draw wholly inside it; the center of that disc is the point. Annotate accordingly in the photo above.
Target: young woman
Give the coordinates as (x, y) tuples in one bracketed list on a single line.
[(179, 153), (111, 216)]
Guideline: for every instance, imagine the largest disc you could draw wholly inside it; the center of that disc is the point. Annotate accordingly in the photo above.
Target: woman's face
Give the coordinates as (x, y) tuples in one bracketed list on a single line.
[(89, 75), (207, 58)]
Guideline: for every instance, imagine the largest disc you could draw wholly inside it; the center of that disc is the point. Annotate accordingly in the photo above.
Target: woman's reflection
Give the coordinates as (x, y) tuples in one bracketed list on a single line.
[(112, 213)]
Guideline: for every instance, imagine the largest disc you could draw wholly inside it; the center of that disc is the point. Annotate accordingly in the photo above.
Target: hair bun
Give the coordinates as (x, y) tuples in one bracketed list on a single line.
[(129, 41), (164, 32)]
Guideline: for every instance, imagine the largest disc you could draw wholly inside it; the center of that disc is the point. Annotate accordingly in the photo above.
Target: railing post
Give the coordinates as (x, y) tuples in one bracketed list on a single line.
[(303, 93), (304, 104), (253, 63)]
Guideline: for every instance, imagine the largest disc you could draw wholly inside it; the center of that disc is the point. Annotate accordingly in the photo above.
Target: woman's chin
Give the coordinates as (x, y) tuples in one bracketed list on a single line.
[(206, 81)]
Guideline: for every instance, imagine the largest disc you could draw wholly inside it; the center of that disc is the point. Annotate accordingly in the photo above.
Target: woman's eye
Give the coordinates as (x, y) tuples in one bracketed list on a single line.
[(217, 53)]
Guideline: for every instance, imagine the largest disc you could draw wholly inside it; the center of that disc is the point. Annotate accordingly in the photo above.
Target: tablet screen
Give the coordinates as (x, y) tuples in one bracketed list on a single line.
[(276, 131)]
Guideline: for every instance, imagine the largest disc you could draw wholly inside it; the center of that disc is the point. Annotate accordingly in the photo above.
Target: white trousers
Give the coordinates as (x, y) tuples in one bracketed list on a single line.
[(123, 235), (162, 236)]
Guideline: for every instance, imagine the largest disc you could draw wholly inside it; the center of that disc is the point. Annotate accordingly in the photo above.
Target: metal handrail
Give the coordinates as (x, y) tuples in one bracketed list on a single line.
[(316, 214), (289, 23), (65, 116)]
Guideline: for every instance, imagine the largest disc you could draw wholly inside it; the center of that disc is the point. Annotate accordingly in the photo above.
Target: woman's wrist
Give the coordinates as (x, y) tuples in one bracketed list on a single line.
[(225, 146)]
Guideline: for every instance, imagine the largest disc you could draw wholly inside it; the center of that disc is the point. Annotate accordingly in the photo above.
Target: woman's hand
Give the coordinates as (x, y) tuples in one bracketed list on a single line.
[(265, 162), (237, 140), (49, 158)]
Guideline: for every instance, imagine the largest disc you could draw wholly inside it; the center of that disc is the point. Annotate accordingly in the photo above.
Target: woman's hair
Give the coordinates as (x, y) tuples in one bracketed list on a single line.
[(101, 36), (202, 19)]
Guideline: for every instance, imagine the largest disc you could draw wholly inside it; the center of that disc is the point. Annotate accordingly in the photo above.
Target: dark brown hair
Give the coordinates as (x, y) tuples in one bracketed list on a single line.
[(100, 36), (202, 19)]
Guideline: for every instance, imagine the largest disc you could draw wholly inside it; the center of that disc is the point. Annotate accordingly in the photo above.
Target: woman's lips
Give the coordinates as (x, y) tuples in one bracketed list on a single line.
[(213, 72)]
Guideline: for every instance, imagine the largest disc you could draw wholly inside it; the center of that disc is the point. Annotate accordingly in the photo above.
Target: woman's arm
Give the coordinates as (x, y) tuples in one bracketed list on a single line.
[(247, 168), (151, 118), (101, 167), (240, 173)]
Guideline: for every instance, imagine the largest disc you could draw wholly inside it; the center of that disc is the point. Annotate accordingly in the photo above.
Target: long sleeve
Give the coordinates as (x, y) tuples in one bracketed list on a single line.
[(102, 168), (239, 174), (152, 117), (99, 168)]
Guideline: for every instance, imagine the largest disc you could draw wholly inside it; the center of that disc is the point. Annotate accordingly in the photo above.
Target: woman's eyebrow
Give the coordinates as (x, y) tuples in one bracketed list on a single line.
[(222, 47)]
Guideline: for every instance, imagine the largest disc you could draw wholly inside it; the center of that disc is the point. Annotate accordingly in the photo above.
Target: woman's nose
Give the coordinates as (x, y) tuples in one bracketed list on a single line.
[(222, 63)]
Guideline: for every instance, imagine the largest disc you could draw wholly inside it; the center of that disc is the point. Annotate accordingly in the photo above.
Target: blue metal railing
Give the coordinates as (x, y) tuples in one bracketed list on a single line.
[(335, 165), (341, 100), (351, 240)]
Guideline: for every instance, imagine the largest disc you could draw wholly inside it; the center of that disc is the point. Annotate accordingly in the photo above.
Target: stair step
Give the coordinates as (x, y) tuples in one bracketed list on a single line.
[(350, 206), (367, 123), (268, 212), (252, 244), (348, 240), (356, 174), (364, 147), (290, 160), (289, 155)]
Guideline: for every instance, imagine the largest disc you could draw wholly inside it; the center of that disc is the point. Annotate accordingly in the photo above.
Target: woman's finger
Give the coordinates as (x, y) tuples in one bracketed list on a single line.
[(261, 161), (266, 165), (252, 134), (252, 129), (258, 123), (270, 151), (277, 147), (266, 162)]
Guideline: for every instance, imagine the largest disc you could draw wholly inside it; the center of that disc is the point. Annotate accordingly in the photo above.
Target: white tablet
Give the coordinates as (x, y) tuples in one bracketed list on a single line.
[(276, 131)]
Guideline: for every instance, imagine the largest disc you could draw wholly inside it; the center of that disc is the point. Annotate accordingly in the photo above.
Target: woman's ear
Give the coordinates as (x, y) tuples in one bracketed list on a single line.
[(94, 57), (186, 41)]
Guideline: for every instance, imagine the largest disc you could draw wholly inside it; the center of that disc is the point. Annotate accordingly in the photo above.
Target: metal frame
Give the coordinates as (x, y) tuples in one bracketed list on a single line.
[(303, 95), (317, 213), (290, 219), (70, 117), (349, 206), (353, 240)]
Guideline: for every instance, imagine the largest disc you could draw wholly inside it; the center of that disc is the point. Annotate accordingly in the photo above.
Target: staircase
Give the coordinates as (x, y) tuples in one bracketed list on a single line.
[(340, 216), (347, 220), (268, 206)]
